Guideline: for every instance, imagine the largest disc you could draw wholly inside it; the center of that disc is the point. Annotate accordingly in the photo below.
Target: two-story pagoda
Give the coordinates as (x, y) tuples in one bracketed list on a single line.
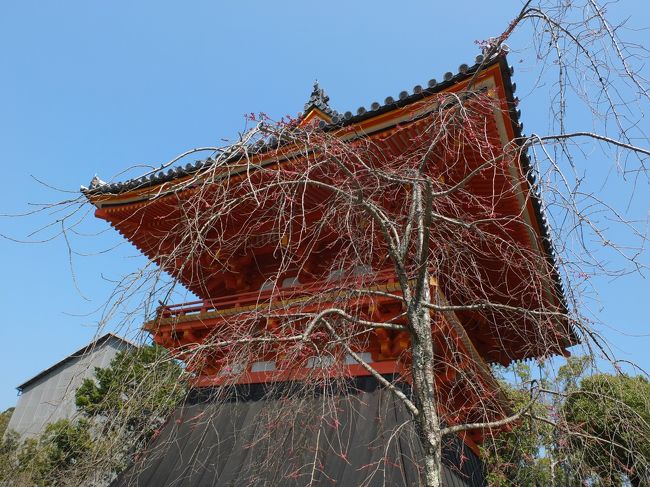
[(262, 277)]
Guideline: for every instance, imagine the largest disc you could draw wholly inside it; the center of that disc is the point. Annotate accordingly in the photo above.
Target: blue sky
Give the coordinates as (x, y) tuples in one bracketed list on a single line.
[(96, 87)]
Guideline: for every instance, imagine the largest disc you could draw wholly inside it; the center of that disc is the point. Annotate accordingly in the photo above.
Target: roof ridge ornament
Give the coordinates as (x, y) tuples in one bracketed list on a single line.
[(320, 101), (95, 183), (318, 95)]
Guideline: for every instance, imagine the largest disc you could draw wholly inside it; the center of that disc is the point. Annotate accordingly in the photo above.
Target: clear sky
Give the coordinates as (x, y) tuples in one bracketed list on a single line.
[(91, 87)]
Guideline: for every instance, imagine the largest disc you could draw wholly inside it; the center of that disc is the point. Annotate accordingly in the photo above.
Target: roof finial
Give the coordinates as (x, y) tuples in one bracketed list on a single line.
[(319, 99), (96, 182), (318, 94)]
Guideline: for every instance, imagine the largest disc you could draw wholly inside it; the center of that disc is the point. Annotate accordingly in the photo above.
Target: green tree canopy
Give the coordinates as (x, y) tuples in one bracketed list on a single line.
[(5, 417), (608, 418), (139, 385), (593, 429), (518, 457)]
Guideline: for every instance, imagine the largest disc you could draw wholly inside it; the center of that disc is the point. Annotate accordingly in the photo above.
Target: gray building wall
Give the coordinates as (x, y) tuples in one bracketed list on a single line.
[(52, 396)]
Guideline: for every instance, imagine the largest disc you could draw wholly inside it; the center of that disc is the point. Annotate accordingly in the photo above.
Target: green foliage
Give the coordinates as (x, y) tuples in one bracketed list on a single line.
[(517, 457), (129, 400), (144, 380), (8, 445), (48, 460), (5, 417), (569, 375), (609, 416), (595, 430), (7, 448), (66, 442)]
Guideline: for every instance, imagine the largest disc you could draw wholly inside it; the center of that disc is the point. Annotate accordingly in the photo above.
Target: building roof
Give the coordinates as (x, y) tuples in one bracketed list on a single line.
[(262, 436), (78, 354), (319, 100)]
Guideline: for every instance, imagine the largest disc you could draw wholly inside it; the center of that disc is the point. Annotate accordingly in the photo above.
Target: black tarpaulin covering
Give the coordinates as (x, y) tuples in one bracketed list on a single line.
[(258, 435)]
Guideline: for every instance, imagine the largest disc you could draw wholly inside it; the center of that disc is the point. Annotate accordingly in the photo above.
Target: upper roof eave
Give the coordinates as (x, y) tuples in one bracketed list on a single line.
[(98, 187)]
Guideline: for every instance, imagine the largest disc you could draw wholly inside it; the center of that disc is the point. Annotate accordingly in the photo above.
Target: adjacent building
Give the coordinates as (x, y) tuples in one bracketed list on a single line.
[(50, 395)]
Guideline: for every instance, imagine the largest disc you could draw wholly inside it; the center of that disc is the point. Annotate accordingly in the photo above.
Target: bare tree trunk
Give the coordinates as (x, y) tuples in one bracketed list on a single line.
[(427, 421), (424, 393)]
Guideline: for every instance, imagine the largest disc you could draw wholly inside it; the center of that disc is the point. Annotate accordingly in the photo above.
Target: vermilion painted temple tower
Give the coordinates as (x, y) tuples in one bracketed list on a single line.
[(147, 212)]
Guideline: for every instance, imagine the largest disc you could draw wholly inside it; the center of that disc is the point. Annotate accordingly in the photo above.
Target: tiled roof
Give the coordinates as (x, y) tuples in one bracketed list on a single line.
[(418, 92), (318, 99)]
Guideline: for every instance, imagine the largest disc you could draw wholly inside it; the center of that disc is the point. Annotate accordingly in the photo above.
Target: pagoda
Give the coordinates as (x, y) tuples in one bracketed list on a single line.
[(247, 285)]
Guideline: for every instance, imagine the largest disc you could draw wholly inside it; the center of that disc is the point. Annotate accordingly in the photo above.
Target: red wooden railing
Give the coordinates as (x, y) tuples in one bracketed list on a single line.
[(264, 296)]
